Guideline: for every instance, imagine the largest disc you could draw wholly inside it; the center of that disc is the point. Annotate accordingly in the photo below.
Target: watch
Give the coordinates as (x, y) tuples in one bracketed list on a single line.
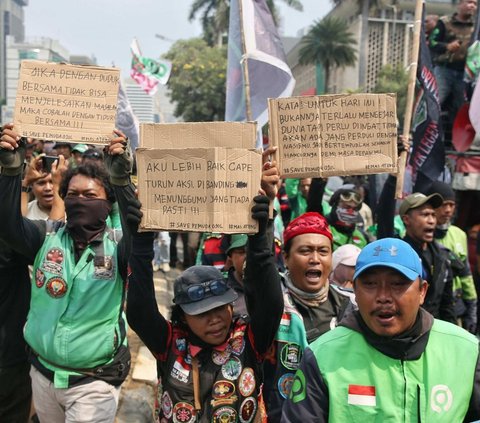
[(26, 189)]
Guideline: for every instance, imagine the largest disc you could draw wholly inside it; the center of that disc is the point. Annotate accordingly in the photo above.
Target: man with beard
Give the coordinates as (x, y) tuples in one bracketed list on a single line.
[(390, 361), (75, 329), (453, 238)]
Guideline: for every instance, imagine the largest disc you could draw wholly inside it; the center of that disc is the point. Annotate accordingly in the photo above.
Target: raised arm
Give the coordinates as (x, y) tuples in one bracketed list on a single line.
[(118, 161), (142, 310), (19, 233), (262, 281)]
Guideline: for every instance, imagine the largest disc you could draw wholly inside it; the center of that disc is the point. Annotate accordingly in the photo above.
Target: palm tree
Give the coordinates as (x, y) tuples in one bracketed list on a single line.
[(329, 43), (215, 16)]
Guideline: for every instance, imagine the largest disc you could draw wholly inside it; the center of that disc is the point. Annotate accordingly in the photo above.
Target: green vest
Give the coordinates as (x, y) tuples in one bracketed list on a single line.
[(75, 318), (365, 385), (339, 238), (456, 241)]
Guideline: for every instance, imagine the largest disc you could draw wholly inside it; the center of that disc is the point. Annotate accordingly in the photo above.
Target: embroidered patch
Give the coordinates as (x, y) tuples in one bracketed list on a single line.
[(362, 395), (104, 267), (180, 370), (223, 389), (53, 261), (39, 278), (56, 287), (285, 384), (220, 357), (183, 413), (291, 355), (286, 319), (167, 405), (181, 344), (248, 410), (246, 382), (224, 415), (237, 344), (232, 368)]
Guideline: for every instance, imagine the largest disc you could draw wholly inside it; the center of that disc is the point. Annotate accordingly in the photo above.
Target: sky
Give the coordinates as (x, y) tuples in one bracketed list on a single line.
[(105, 28)]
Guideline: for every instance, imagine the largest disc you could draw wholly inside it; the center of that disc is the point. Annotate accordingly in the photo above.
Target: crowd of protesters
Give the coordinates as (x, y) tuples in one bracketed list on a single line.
[(259, 324), (347, 305)]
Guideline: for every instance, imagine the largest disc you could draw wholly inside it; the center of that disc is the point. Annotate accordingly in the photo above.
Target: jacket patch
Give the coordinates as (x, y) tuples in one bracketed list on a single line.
[(284, 384), (39, 278), (291, 355), (232, 368), (56, 287), (246, 383), (362, 395), (180, 370), (247, 410), (53, 261), (103, 267), (184, 412), (224, 415)]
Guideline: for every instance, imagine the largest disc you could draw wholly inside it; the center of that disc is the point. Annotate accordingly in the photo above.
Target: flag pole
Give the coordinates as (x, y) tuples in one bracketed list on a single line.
[(248, 106), (412, 77)]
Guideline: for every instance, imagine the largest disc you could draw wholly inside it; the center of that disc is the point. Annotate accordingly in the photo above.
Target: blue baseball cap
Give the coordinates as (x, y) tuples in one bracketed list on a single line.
[(393, 253)]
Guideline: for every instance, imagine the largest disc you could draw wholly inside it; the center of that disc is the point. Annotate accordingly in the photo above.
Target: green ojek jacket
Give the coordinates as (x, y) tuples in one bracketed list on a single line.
[(76, 318), (365, 385)]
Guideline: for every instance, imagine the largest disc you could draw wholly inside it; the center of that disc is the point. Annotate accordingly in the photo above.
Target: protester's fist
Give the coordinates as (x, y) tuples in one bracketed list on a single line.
[(118, 143), (270, 175), (260, 211), (9, 139), (118, 159), (12, 151)]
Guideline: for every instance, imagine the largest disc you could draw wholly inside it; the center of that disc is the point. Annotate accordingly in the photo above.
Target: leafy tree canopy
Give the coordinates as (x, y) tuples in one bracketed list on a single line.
[(197, 82), (394, 80)]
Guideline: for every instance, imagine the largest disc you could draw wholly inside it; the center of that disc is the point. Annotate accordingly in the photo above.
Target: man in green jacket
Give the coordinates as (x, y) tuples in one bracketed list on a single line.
[(76, 328), (390, 360)]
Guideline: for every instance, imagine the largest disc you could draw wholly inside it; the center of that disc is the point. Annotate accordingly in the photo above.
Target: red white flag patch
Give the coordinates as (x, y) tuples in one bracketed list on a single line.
[(362, 395), (285, 321)]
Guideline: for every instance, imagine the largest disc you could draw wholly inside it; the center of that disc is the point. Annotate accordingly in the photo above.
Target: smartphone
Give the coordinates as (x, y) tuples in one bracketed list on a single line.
[(47, 163)]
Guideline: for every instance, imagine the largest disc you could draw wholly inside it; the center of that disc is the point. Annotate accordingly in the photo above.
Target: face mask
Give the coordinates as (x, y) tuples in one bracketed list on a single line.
[(347, 216), (86, 217)]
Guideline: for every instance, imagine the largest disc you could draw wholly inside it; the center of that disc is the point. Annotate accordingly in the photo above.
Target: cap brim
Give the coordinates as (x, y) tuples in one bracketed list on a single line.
[(199, 307), (405, 271)]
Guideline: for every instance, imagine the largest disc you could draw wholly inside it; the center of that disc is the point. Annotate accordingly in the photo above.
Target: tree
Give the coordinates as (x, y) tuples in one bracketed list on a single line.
[(197, 81), (329, 43), (394, 80), (215, 16)]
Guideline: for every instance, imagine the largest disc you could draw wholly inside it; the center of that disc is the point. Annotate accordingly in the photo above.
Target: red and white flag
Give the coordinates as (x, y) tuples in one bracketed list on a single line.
[(362, 395), (285, 319)]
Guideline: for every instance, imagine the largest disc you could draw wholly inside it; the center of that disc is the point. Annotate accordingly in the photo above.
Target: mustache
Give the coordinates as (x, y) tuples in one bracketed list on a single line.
[(384, 310)]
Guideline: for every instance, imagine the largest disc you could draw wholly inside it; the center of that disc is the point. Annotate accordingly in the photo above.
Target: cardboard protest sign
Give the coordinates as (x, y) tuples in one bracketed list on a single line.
[(344, 134), (198, 134), (64, 102), (198, 189)]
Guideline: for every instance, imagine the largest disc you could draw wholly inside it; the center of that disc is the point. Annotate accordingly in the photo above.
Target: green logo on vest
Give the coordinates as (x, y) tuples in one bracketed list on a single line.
[(298, 392)]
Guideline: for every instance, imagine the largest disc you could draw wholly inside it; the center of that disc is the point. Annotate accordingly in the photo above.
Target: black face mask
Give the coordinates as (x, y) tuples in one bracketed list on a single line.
[(86, 217)]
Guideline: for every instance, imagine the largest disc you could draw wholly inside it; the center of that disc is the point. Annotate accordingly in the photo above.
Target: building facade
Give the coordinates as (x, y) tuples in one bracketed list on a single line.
[(11, 25)]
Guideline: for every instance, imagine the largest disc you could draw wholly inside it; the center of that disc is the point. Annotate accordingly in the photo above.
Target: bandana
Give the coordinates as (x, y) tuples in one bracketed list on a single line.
[(309, 299), (347, 216), (307, 223), (86, 217)]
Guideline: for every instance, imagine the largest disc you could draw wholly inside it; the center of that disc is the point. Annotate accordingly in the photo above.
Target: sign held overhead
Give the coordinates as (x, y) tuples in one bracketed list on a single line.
[(63, 102), (209, 188), (334, 135)]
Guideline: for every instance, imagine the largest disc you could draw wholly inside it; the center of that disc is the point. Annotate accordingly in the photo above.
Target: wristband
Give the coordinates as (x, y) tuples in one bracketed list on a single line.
[(27, 189)]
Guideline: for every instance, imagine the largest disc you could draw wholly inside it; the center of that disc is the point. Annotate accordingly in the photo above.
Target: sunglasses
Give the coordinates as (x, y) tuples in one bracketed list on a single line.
[(198, 292), (351, 196)]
